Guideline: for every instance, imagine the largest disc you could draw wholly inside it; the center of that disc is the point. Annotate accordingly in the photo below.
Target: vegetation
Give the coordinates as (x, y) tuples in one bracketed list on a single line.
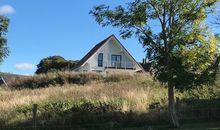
[(54, 64), (194, 126), (62, 78), (181, 50), (4, 51), (124, 101)]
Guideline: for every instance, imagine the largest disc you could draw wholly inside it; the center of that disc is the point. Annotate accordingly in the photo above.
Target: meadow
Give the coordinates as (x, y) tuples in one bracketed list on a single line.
[(94, 101)]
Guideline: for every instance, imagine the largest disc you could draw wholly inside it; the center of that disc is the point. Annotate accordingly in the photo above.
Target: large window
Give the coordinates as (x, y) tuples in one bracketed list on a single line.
[(100, 60), (116, 61)]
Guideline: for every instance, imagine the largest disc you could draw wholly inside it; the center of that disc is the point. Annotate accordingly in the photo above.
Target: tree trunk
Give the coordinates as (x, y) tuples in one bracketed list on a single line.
[(174, 123)]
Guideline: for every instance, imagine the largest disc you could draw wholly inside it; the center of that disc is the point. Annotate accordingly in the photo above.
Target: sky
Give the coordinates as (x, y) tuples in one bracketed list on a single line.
[(42, 28)]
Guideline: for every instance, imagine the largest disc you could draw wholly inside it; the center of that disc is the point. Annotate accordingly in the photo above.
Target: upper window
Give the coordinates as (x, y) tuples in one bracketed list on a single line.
[(116, 60), (100, 59)]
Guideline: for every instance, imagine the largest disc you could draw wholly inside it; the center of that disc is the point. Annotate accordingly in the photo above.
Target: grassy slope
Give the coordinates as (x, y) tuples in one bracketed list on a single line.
[(135, 94)]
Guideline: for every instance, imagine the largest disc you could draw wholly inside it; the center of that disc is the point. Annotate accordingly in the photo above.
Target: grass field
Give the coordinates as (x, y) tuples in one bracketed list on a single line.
[(119, 101)]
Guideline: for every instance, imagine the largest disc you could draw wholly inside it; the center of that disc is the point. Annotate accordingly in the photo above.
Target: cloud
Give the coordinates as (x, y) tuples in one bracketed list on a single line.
[(6, 9), (24, 66)]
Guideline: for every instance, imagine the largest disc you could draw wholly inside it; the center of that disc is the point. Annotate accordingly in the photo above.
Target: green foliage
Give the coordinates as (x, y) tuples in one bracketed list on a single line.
[(203, 92), (4, 51), (72, 111), (53, 79), (182, 50), (54, 64), (61, 78)]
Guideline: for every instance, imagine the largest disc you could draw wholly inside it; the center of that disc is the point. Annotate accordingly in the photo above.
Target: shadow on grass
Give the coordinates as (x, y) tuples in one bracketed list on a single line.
[(85, 116), (105, 116)]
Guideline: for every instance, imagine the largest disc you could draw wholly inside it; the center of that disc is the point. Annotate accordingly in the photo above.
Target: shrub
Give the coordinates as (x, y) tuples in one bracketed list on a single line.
[(53, 79), (61, 78)]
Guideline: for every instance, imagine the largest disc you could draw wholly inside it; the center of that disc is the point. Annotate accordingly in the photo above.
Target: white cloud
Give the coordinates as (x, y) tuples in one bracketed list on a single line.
[(6, 9), (24, 66)]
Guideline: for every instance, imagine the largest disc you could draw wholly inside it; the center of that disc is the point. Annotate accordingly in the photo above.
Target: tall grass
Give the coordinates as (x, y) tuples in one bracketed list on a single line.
[(134, 94), (79, 92)]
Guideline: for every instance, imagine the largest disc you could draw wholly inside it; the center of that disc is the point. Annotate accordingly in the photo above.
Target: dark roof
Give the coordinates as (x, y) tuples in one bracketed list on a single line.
[(96, 48), (92, 51)]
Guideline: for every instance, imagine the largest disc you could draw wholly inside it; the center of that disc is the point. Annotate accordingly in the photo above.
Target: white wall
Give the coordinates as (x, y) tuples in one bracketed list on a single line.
[(108, 49)]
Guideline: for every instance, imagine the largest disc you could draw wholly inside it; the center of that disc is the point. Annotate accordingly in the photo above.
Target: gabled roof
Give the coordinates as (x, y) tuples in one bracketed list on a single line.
[(98, 46), (92, 51)]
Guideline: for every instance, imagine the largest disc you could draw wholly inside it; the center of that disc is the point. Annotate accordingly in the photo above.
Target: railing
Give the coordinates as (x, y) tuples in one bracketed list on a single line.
[(119, 65), (116, 65)]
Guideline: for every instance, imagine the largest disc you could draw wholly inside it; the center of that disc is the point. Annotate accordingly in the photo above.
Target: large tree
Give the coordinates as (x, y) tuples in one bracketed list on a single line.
[(4, 51), (174, 33), (53, 64)]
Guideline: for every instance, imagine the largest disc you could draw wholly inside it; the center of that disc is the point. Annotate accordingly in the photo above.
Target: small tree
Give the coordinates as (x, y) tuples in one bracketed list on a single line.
[(181, 48), (4, 51), (53, 64)]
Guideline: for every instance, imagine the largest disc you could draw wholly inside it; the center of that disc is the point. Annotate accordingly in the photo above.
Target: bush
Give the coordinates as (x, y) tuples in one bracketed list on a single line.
[(53, 79), (61, 78)]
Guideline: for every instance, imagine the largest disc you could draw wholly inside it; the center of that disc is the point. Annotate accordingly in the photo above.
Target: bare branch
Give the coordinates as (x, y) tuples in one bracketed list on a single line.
[(156, 10)]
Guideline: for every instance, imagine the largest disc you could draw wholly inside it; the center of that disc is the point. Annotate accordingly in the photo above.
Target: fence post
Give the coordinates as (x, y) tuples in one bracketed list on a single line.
[(35, 116)]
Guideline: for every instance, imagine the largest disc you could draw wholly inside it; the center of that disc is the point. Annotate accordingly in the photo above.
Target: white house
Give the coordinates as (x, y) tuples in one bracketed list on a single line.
[(108, 55)]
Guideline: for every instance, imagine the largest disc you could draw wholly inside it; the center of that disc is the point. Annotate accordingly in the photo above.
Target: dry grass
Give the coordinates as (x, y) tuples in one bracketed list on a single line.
[(134, 94), (127, 92)]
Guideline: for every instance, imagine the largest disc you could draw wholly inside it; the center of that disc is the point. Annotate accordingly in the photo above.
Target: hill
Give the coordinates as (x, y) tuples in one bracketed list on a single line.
[(98, 102)]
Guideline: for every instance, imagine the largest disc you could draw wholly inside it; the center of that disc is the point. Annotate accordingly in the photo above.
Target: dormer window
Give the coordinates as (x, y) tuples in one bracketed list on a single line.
[(100, 60)]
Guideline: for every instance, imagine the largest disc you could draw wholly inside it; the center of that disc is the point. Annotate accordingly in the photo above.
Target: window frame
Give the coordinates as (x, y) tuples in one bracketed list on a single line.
[(115, 63), (100, 59)]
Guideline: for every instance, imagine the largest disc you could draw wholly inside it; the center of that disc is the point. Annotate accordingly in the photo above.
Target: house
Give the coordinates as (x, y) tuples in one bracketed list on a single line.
[(108, 55)]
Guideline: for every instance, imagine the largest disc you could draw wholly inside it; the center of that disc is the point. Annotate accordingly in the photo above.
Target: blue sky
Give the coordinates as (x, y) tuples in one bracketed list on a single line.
[(42, 28)]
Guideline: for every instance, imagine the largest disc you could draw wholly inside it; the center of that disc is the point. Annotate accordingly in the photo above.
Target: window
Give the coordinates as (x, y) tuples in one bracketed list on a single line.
[(100, 60), (116, 61)]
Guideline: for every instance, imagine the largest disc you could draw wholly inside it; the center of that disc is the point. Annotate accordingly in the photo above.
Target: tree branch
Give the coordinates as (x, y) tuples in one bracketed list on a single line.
[(156, 11)]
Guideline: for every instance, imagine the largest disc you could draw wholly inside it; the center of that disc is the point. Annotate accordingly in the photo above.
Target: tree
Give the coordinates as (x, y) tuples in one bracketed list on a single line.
[(4, 51), (53, 64), (182, 49)]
